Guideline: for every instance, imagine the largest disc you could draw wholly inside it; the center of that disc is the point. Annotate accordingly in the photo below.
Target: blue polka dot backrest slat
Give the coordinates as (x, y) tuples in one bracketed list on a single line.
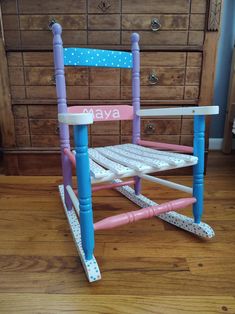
[(97, 58)]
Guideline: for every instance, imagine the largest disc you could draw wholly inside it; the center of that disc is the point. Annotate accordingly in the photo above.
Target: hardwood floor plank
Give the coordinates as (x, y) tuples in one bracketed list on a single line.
[(147, 267), (50, 248), (191, 249), (219, 266), (62, 303), (69, 264), (126, 282)]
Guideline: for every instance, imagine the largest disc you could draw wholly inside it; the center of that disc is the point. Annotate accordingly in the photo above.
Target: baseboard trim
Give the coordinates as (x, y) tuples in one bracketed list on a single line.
[(217, 143)]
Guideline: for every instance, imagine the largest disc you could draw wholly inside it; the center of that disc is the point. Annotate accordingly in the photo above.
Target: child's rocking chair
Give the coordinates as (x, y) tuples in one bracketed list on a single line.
[(137, 159)]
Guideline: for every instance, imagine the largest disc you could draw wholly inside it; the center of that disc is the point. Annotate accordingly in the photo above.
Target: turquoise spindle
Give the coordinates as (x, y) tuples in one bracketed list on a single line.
[(198, 169), (84, 189)]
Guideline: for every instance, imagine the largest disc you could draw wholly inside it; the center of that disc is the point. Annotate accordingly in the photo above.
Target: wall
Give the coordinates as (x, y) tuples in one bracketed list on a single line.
[(224, 57)]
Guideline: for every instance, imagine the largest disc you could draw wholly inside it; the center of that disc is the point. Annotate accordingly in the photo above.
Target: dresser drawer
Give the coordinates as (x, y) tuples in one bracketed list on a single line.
[(26, 23), (31, 76), (37, 126), (163, 75), (170, 130), (164, 23), (166, 76), (107, 22)]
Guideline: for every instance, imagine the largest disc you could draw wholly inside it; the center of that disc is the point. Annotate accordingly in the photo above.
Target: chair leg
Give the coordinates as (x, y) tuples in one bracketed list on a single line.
[(67, 178), (198, 169), (84, 189), (137, 185)]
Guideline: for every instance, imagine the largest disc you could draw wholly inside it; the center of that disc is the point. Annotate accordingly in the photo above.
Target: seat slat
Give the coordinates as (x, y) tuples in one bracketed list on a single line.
[(133, 164), (115, 167), (154, 153), (120, 161), (97, 171), (153, 156), (131, 153)]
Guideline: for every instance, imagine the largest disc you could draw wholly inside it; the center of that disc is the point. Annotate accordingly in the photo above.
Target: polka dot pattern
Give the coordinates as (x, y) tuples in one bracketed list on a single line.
[(202, 229), (90, 266), (97, 58)]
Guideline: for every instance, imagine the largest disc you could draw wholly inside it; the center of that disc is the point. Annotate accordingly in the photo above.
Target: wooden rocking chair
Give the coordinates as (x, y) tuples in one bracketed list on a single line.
[(110, 164)]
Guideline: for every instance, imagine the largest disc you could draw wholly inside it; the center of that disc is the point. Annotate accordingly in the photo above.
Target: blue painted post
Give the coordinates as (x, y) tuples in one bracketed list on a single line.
[(84, 189), (136, 97), (198, 169)]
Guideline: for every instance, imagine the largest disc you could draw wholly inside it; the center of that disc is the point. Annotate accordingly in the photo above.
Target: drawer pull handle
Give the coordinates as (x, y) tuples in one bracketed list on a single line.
[(53, 80), (153, 79), (150, 128), (155, 24), (57, 129), (51, 22), (104, 6)]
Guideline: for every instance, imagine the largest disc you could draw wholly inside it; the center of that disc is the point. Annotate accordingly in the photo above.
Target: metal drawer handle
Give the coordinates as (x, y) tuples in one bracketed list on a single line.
[(153, 79), (150, 128), (51, 22), (155, 24), (104, 5), (57, 129), (53, 80)]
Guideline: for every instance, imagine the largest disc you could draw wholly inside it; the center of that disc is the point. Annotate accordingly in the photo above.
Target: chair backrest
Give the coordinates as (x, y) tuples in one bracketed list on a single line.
[(105, 113), (99, 58)]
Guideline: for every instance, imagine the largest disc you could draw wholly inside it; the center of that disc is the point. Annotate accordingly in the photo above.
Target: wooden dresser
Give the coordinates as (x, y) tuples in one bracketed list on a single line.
[(178, 51)]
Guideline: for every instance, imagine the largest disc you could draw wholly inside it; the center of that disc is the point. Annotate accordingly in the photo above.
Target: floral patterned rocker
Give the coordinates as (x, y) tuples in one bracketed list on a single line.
[(136, 160)]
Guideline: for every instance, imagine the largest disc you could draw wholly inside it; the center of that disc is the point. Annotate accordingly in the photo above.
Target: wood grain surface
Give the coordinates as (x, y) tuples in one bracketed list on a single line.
[(147, 267)]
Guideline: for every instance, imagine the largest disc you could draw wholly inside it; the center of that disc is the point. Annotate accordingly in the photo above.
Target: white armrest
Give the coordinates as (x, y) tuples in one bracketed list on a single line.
[(180, 111), (75, 118)]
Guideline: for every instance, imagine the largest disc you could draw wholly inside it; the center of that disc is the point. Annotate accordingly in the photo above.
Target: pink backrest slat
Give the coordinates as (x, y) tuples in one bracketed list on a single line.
[(105, 113)]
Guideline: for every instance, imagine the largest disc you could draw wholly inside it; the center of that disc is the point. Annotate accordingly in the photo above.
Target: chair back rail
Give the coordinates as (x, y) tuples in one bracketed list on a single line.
[(97, 58), (105, 112)]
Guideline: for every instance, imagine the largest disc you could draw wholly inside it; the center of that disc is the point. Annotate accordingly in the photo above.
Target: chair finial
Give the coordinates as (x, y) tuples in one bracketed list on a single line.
[(135, 37), (56, 29)]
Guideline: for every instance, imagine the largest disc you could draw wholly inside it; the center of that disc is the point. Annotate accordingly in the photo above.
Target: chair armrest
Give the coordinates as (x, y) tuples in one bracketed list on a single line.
[(75, 118), (180, 111)]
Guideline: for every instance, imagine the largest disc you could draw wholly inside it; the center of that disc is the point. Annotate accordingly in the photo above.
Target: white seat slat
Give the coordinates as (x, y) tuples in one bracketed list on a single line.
[(175, 158), (169, 160), (133, 164), (107, 163), (131, 153), (97, 171), (126, 160)]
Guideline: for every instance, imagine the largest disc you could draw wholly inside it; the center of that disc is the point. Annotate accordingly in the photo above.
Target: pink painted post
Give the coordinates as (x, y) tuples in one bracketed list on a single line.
[(136, 97), (144, 213), (71, 156), (166, 146), (105, 112), (62, 108)]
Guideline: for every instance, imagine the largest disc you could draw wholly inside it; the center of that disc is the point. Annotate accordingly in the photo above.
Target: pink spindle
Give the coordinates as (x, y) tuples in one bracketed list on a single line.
[(166, 146), (112, 185), (144, 213), (70, 155)]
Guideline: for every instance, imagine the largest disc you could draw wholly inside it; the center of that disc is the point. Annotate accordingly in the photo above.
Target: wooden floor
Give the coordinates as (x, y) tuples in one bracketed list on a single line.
[(148, 267)]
